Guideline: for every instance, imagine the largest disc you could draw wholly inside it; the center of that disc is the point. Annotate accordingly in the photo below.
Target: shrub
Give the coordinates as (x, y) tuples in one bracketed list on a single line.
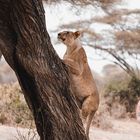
[(124, 92), (13, 108)]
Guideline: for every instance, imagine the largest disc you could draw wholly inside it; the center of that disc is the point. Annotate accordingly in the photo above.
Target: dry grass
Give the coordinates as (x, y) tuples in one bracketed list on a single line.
[(14, 111), (102, 117), (28, 134), (13, 108)]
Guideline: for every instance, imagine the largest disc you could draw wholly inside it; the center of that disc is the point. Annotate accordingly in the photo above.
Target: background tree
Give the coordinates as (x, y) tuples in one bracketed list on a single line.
[(120, 44)]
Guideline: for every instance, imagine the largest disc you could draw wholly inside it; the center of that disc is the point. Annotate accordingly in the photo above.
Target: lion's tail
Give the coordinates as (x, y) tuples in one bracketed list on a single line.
[(90, 117)]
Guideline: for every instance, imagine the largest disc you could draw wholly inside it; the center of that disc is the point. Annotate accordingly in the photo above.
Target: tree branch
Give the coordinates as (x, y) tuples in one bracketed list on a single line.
[(121, 62)]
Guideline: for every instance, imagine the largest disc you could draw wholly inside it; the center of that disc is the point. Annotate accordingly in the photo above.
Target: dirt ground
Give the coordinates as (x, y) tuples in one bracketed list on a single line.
[(122, 130)]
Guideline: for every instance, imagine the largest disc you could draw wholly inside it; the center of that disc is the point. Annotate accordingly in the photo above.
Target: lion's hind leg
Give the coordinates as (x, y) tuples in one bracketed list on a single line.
[(89, 108)]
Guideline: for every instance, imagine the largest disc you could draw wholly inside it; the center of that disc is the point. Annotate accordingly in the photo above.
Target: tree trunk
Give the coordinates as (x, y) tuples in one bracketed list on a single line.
[(44, 79)]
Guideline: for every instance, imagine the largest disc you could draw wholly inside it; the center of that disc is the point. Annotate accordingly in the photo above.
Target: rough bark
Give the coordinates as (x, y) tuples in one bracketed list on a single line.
[(0, 54), (44, 79)]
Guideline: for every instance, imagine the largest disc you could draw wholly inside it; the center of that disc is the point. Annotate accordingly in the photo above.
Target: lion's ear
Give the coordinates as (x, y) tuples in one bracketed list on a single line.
[(77, 34)]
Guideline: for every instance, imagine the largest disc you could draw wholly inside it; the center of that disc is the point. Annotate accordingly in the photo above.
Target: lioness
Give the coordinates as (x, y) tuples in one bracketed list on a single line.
[(83, 83)]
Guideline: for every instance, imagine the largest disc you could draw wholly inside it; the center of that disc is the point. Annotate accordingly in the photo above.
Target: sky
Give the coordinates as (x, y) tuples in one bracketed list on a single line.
[(132, 4), (63, 14)]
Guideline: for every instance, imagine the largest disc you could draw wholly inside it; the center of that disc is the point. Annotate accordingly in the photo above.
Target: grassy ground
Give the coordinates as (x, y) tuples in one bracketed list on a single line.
[(13, 108)]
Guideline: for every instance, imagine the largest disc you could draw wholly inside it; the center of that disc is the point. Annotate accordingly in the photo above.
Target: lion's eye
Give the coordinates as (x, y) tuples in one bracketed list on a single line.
[(67, 32)]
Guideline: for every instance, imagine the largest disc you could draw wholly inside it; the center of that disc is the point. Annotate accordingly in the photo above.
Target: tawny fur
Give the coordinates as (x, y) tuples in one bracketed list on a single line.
[(83, 84)]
